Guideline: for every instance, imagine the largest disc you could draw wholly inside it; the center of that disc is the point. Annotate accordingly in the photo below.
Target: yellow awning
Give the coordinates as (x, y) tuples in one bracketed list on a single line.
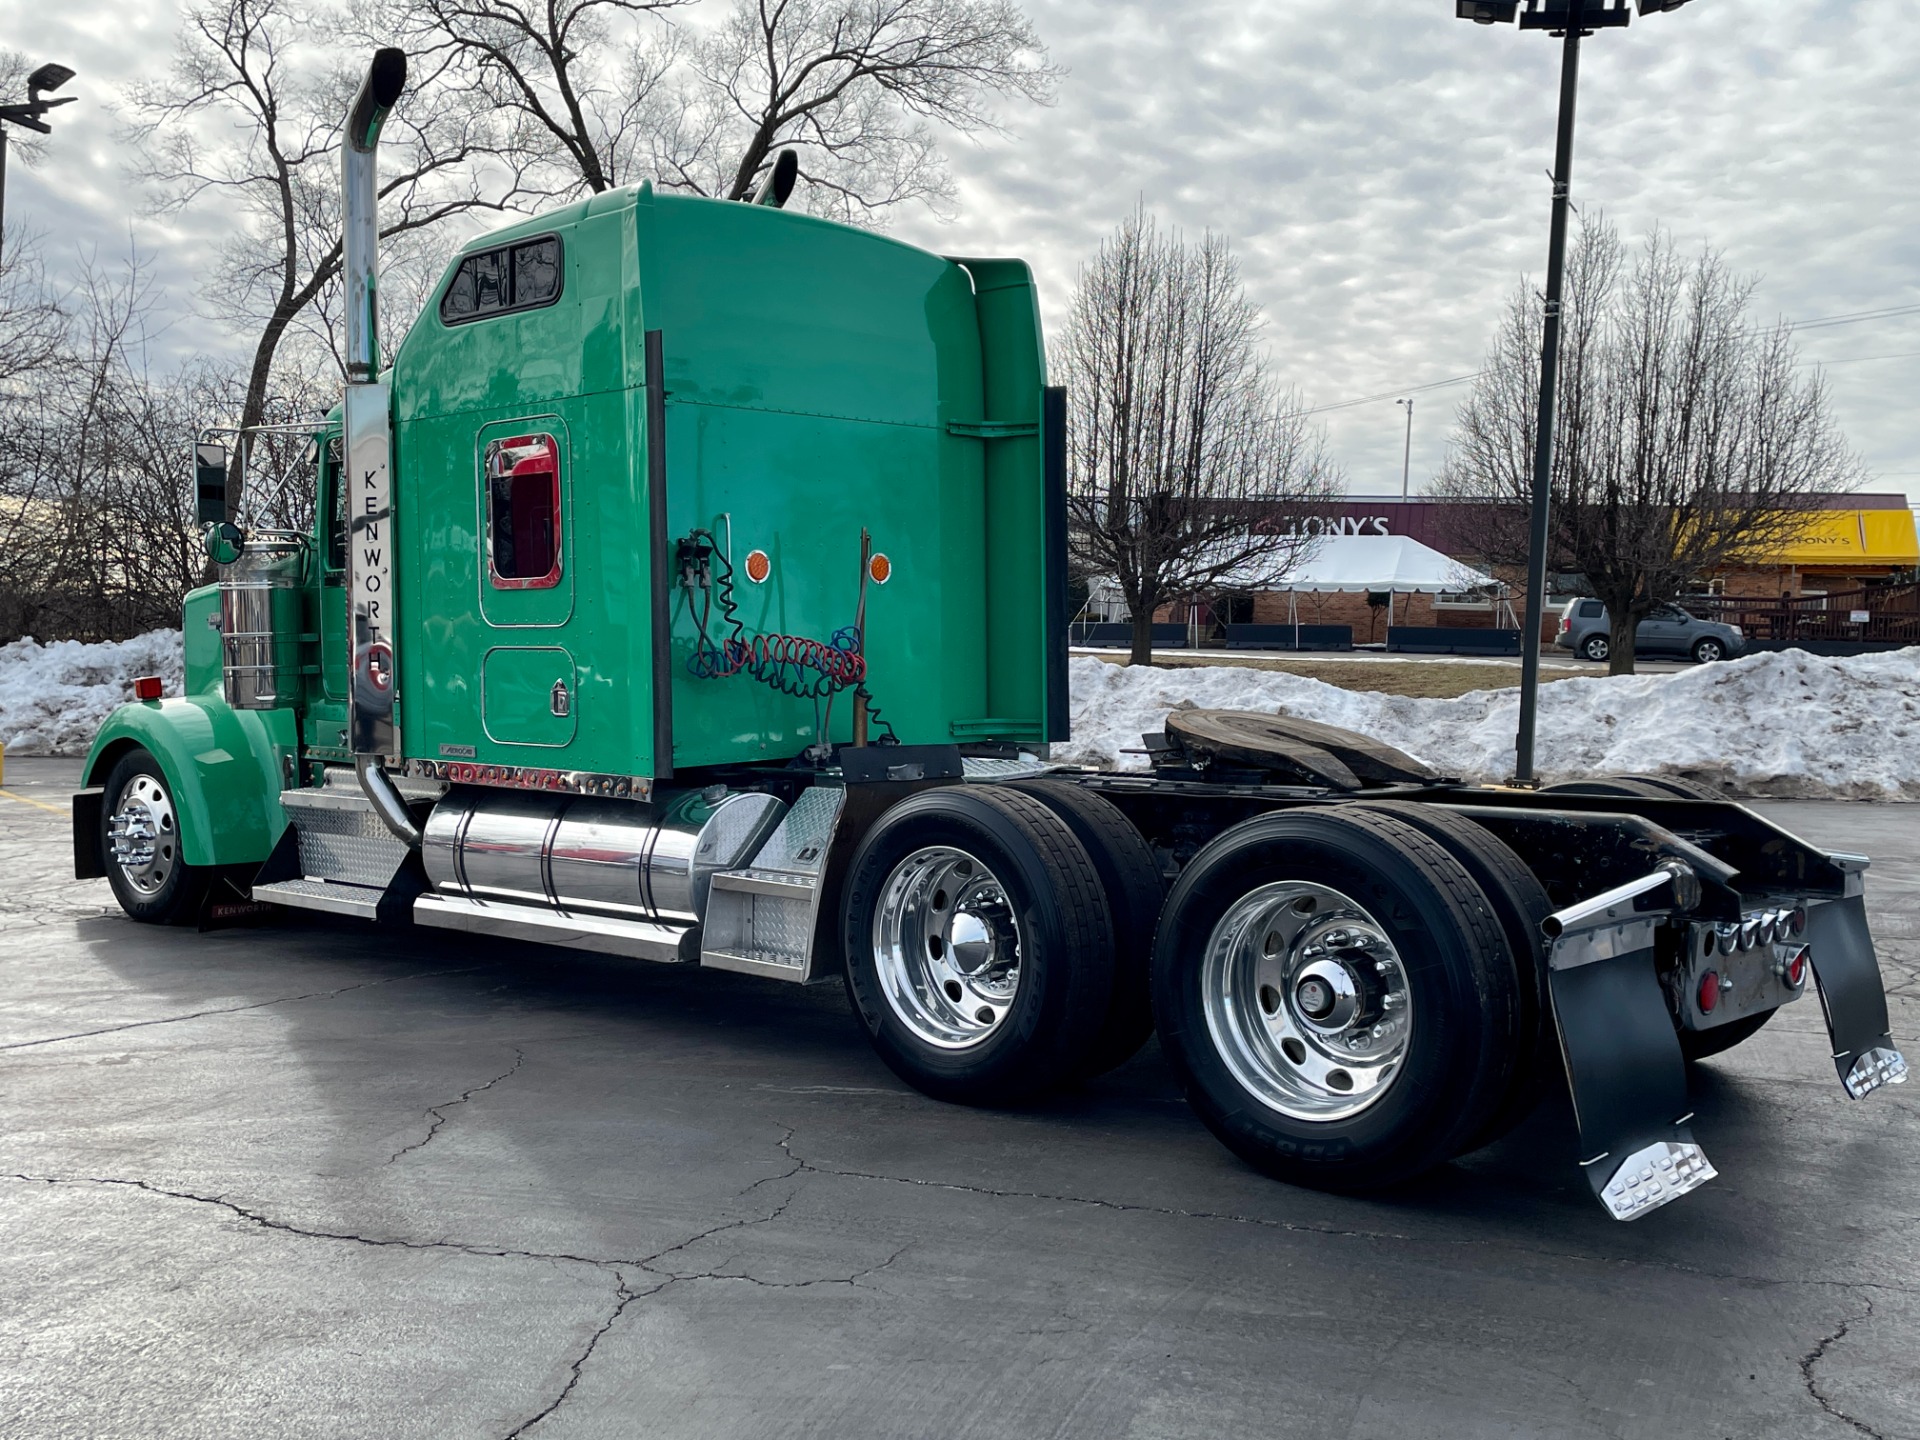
[(1852, 537)]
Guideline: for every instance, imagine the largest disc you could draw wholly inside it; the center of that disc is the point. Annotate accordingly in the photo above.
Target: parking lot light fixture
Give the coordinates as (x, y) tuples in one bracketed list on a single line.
[(33, 114), (1570, 20)]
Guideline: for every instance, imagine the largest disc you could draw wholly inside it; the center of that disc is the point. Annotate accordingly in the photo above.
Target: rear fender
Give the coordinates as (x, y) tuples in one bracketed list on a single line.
[(225, 767)]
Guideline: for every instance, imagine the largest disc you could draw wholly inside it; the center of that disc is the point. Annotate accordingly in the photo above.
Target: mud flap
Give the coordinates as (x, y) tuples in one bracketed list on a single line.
[(1624, 1066), (1840, 948), (1629, 1083)]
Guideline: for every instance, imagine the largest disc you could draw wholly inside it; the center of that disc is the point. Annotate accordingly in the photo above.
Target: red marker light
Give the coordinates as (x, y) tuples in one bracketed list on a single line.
[(1709, 991), (1796, 972), (147, 687)]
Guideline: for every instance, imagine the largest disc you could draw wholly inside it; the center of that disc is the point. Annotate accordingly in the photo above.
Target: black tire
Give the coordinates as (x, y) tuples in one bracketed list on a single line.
[(1642, 787), (1459, 978), (1519, 902), (1625, 786), (164, 890), (1707, 650), (1699, 1044), (1135, 890), (1064, 945), (1596, 648), (1676, 786)]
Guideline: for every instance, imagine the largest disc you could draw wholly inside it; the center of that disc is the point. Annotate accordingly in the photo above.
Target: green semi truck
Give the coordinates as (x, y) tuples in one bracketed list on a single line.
[(690, 586)]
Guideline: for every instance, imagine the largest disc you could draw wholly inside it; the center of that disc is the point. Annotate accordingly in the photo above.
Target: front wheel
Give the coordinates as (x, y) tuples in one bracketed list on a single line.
[(1596, 647), (1338, 998), (1708, 650), (978, 945), (141, 846)]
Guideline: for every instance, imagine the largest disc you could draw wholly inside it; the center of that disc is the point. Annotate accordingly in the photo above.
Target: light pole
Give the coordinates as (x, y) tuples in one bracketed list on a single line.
[(47, 77), (1406, 456), (1570, 20)]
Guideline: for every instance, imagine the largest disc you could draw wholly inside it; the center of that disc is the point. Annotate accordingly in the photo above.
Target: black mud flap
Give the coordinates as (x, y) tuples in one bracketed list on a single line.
[(1840, 949), (88, 863), (1624, 1066)]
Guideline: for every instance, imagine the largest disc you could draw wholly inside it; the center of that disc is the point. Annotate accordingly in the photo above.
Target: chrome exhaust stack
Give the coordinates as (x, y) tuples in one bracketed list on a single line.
[(372, 731), (359, 183)]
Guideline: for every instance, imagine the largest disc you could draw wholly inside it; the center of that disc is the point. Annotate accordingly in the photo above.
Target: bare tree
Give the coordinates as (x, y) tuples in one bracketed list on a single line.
[(600, 95), (1686, 437), (1186, 458), (246, 76), (576, 81), (32, 320)]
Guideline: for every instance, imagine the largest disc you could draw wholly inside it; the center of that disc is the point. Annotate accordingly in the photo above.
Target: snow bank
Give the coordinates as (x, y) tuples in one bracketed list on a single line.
[(54, 696), (1788, 724)]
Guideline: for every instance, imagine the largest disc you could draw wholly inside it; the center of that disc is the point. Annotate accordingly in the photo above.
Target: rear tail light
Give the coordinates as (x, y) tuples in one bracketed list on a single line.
[(1798, 920), (1793, 969), (147, 687), (1566, 623), (1709, 991)]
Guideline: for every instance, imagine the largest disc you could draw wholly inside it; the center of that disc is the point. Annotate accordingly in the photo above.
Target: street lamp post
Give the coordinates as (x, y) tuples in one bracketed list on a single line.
[(32, 115), (1570, 20)]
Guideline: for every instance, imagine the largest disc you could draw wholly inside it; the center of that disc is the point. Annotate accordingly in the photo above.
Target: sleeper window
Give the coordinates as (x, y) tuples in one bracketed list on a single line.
[(523, 512), (523, 276)]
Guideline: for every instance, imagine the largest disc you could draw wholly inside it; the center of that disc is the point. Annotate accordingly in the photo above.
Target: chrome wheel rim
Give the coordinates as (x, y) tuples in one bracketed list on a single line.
[(946, 945), (1307, 1001), (142, 835)]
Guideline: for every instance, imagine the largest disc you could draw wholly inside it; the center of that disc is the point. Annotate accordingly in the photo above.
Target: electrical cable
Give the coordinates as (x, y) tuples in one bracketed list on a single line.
[(795, 665)]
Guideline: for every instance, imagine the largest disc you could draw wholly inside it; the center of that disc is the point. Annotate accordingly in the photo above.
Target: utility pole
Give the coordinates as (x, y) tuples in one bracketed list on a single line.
[(1406, 459)]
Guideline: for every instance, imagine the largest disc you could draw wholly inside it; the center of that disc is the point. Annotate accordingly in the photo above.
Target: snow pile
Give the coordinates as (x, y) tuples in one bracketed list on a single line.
[(54, 696), (1786, 724)]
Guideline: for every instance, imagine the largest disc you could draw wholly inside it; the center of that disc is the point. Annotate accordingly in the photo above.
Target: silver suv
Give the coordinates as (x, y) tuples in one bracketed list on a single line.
[(1669, 630)]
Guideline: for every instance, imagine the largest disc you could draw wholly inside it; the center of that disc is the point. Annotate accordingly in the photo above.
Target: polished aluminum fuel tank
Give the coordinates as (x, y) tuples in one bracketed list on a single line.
[(644, 860)]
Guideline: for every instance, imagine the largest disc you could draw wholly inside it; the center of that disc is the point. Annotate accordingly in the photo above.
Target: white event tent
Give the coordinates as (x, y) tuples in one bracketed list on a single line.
[(1393, 564)]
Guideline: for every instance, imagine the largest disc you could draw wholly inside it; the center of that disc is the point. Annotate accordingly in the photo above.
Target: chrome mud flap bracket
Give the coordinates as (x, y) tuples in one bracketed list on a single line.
[(1624, 1066), (1852, 993)]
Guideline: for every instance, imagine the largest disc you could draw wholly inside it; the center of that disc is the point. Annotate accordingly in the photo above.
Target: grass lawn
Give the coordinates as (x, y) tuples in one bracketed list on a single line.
[(1390, 677)]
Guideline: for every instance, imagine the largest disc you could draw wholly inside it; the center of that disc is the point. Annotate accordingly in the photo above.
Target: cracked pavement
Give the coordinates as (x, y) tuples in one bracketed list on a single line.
[(313, 1178)]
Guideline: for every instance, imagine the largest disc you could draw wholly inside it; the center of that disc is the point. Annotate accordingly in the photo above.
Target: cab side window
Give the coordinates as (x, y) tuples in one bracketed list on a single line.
[(522, 479), (523, 276)]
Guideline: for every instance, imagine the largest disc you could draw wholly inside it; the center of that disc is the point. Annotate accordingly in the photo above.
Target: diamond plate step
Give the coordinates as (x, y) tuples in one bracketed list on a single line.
[(360, 901)]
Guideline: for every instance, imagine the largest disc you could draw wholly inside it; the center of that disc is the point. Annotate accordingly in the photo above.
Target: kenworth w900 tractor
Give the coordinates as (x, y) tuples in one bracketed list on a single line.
[(691, 587)]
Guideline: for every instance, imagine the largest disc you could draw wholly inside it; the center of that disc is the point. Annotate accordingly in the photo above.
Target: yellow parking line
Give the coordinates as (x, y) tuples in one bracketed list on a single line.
[(37, 804)]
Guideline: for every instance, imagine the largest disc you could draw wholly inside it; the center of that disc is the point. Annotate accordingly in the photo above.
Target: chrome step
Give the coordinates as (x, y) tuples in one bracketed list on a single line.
[(334, 897), (636, 939), (341, 837)]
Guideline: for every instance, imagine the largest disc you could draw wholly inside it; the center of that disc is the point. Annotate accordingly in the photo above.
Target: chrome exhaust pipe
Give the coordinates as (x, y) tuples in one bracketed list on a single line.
[(386, 77), (372, 733)]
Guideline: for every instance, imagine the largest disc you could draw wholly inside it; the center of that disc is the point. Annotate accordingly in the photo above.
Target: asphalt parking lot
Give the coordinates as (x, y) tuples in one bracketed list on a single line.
[(318, 1179)]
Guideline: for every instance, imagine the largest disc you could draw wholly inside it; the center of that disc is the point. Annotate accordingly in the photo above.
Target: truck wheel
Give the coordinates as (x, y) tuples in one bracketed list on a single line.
[(1336, 996), (979, 951), (1519, 904), (1596, 647), (1135, 890), (1699, 1044), (140, 845)]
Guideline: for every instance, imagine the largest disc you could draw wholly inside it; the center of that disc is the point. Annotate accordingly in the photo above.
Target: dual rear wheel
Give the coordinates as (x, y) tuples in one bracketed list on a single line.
[(997, 939), (1349, 996)]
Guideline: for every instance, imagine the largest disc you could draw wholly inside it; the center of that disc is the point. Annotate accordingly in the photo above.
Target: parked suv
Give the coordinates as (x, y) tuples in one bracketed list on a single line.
[(1669, 630)]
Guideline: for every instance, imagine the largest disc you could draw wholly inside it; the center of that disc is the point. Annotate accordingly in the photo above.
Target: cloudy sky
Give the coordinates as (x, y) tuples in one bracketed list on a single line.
[(1379, 165)]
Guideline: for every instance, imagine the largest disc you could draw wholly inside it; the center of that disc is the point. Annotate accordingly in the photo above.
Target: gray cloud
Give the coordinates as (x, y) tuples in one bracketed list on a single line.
[(1379, 165)]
